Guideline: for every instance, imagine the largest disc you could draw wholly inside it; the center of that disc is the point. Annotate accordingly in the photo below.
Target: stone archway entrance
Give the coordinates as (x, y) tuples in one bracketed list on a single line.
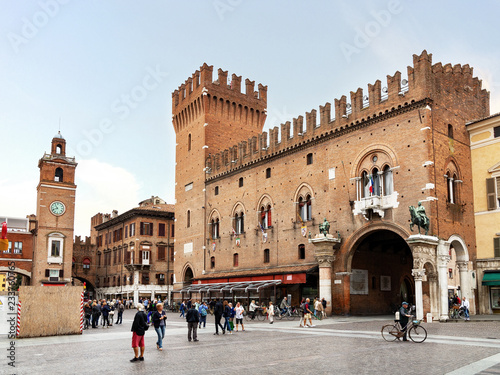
[(188, 276), (381, 273)]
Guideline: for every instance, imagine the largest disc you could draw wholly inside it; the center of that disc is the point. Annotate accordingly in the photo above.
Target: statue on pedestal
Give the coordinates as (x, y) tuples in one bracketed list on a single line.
[(324, 227), (419, 218)]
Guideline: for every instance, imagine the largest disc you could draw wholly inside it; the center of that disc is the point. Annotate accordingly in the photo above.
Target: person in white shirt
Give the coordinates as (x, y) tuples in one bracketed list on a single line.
[(239, 316), (465, 305)]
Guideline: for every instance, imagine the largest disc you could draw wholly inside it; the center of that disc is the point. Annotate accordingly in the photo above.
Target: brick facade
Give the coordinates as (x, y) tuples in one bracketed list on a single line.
[(414, 131)]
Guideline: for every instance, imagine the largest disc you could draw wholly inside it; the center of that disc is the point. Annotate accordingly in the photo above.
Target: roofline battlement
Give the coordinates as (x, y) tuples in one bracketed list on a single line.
[(202, 79), (426, 83)]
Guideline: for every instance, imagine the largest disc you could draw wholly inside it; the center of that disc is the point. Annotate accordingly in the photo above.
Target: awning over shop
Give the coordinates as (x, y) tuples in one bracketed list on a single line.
[(491, 279), (241, 286)]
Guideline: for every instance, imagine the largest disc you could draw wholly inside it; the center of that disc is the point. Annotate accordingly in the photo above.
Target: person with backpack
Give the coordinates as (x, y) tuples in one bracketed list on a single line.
[(120, 309), (203, 314)]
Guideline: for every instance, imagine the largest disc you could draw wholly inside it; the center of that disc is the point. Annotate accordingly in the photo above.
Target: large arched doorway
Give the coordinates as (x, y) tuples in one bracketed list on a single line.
[(381, 273), (188, 276)]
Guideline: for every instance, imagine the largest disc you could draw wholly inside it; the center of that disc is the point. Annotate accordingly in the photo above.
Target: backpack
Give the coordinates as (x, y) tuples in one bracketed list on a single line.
[(203, 312)]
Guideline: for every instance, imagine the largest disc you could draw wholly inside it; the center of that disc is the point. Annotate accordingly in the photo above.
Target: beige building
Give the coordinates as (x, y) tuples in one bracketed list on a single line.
[(485, 154), (134, 251)]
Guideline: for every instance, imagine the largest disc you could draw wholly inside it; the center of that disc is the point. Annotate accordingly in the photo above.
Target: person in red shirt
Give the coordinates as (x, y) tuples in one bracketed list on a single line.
[(307, 314)]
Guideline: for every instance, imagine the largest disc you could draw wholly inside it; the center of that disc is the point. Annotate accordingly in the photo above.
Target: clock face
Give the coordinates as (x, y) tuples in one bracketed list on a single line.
[(57, 208)]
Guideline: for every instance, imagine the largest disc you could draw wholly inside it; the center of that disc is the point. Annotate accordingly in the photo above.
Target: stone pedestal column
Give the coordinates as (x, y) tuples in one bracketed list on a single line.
[(443, 258), (432, 278), (418, 275), (136, 287), (324, 253), (463, 269)]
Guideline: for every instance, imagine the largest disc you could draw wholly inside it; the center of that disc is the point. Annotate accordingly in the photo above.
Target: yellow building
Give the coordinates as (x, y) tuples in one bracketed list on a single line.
[(485, 153)]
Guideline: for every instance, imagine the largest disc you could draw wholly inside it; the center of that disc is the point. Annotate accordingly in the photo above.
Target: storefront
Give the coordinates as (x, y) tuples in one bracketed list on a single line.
[(491, 279)]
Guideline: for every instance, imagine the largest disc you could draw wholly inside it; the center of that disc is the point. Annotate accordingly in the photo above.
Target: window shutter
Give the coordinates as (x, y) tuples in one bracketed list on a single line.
[(496, 247), (150, 229), (61, 273), (490, 193), (47, 273), (142, 229)]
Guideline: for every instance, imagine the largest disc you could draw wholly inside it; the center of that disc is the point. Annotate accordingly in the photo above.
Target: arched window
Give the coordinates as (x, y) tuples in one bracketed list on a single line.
[(188, 221), (215, 228), (305, 208), (216, 190), (451, 186), (58, 176), (189, 142), (124, 280), (388, 182), (240, 182), (212, 262), (59, 149), (375, 182), (266, 256), (302, 251), (239, 223), (265, 214), (309, 159), (268, 173), (450, 131), (235, 260)]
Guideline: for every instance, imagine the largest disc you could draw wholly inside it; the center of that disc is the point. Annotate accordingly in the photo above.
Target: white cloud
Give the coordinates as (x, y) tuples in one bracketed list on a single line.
[(102, 188), (17, 197)]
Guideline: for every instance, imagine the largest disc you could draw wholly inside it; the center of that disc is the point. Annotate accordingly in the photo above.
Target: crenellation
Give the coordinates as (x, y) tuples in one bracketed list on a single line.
[(196, 79), (341, 109), (357, 100), (310, 122), (222, 77), (394, 85), (262, 92), (374, 93), (236, 83), (457, 69), (249, 85), (206, 74), (324, 115)]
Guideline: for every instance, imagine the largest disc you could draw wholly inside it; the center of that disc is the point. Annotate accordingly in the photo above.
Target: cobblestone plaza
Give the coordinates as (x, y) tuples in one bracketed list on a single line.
[(341, 345)]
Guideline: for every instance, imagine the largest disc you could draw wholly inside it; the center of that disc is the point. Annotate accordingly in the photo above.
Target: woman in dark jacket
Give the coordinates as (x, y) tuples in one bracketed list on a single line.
[(95, 315), (227, 316), (159, 317), (139, 328), (105, 314)]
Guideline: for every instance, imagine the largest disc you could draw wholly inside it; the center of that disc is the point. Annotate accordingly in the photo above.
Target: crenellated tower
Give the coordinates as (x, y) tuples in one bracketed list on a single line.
[(208, 117)]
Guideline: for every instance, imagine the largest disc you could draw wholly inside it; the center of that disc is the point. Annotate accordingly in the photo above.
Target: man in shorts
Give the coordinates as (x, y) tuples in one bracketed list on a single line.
[(307, 314)]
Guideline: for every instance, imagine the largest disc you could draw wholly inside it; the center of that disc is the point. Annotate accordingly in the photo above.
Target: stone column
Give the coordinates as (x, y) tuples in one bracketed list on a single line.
[(434, 295), (324, 253), (418, 275), (136, 287), (443, 286), (463, 268)]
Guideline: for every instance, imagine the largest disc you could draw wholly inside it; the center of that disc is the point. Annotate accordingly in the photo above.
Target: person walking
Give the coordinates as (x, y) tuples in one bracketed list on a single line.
[(95, 315), (203, 314), (323, 303), (227, 316), (151, 309), (105, 309), (139, 328), (239, 316), (182, 309), (120, 309), (318, 309), (307, 313), (404, 315), (465, 305), (218, 312), (158, 318), (193, 319), (252, 309), (270, 312), (302, 312)]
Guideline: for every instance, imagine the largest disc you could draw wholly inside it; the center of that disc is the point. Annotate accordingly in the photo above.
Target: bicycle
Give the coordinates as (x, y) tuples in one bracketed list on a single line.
[(417, 333), (255, 315), (457, 313), (289, 314)]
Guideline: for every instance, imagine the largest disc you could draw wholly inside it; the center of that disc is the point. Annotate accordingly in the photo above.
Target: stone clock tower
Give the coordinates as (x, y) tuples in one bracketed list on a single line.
[(55, 212)]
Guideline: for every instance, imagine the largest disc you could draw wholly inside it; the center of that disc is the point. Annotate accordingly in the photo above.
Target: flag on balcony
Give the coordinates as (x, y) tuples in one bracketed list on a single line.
[(371, 186)]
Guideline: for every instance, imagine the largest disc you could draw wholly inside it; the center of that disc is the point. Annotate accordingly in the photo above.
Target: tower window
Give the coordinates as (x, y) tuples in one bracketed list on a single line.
[(212, 262), (450, 131), (309, 158), (268, 173), (189, 142), (302, 251), (235, 260), (240, 182), (58, 149), (266, 256), (216, 190), (58, 177), (188, 224)]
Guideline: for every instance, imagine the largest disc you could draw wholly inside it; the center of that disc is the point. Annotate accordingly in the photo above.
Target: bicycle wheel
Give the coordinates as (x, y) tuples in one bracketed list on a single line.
[(289, 315), (278, 315), (260, 316), (390, 332), (417, 334)]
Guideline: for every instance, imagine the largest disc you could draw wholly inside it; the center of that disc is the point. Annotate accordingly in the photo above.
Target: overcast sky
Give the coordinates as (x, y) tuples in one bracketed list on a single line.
[(105, 71)]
